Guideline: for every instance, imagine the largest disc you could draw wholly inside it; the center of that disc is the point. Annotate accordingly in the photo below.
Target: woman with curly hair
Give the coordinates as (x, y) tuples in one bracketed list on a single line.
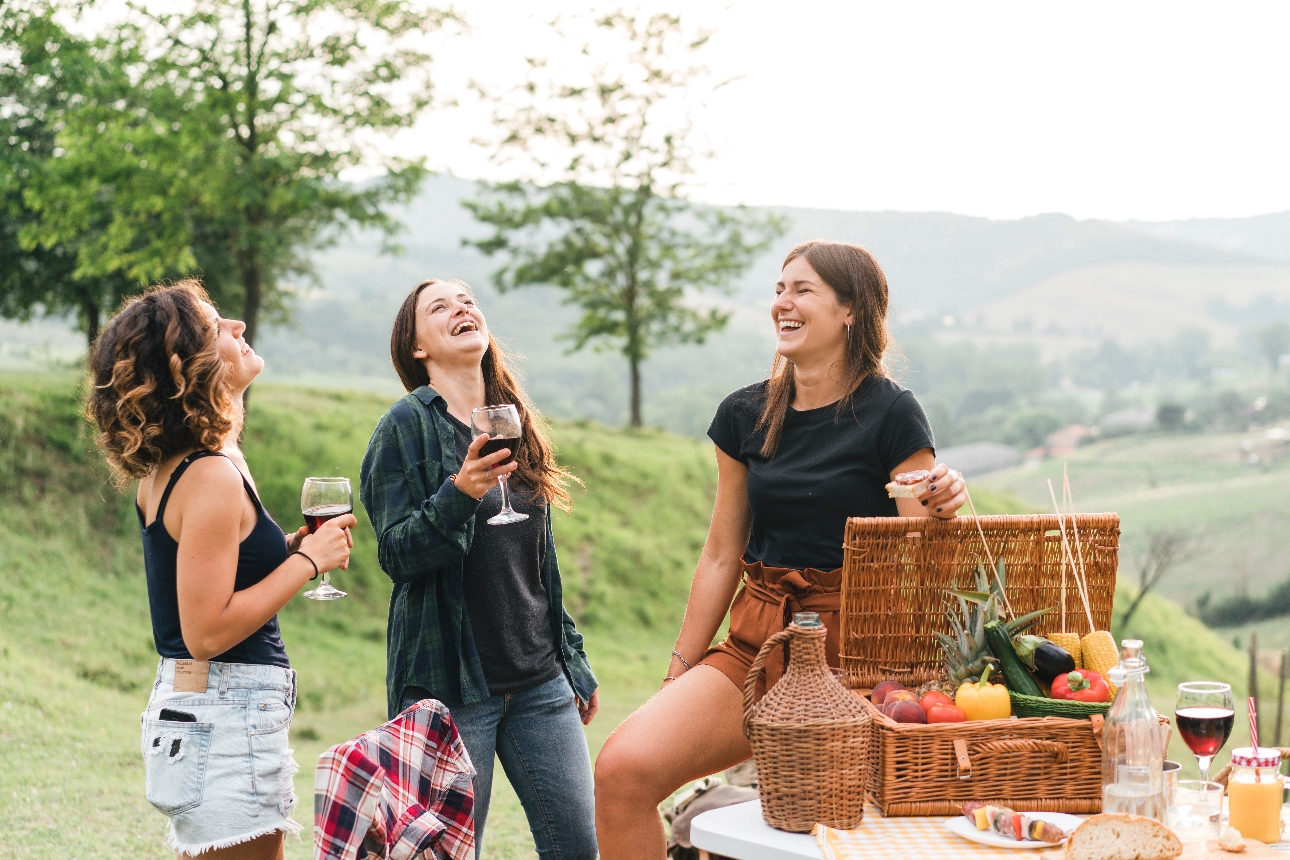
[(168, 379), (476, 618)]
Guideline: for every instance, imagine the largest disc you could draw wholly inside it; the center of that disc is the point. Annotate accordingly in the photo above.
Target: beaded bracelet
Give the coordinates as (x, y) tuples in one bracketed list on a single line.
[(684, 662)]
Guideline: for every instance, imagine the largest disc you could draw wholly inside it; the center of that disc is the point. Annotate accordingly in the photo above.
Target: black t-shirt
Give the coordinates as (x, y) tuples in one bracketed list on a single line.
[(829, 466), (510, 612)]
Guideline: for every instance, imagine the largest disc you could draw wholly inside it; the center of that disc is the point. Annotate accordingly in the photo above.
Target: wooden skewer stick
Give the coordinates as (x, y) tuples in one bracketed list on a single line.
[(989, 556), (1070, 557), (1079, 547)]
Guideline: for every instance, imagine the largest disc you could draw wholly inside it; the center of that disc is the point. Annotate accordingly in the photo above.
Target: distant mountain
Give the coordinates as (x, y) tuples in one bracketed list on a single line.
[(1265, 236)]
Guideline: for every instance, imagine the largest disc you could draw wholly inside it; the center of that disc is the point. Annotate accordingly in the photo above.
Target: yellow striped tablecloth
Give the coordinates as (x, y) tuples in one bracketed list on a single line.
[(907, 838)]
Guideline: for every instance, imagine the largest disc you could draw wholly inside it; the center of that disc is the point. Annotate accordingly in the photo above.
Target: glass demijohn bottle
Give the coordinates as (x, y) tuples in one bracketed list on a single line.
[(1132, 750)]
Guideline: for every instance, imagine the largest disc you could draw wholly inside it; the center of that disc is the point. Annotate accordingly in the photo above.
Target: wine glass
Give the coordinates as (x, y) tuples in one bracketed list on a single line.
[(323, 499), (1204, 713), (502, 424)]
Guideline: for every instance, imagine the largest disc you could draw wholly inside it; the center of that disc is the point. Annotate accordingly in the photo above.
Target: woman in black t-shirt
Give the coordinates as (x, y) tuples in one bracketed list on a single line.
[(796, 456)]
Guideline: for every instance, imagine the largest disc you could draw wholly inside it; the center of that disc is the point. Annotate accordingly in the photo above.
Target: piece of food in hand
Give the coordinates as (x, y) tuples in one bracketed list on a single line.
[(1014, 825), (1046, 659), (934, 697), (1231, 840), (909, 485), (1081, 685), (883, 688), (1122, 837), (945, 714), (984, 701), (906, 711)]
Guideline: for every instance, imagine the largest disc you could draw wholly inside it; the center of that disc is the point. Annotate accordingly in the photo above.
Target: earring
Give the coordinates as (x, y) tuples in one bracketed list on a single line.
[(848, 328)]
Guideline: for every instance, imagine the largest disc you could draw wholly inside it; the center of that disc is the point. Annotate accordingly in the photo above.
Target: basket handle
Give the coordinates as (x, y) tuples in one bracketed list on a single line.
[(1058, 750), (758, 671)]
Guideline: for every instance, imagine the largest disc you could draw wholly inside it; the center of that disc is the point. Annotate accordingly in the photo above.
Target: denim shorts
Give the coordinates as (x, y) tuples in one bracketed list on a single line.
[(225, 776)]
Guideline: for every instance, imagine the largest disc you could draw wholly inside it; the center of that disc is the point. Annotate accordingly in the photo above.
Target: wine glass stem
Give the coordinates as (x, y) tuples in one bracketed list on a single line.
[(1203, 761), (506, 496)]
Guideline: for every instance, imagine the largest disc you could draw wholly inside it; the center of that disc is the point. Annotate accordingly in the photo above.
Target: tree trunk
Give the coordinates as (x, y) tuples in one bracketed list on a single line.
[(635, 364), (92, 323)]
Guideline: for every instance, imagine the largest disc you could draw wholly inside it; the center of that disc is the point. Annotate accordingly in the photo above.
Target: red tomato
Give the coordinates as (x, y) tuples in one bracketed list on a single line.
[(945, 714), (934, 697)]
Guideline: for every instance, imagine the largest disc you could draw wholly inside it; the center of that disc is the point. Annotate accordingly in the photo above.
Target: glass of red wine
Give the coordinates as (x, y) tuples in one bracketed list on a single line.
[(502, 424), (323, 499), (1204, 712)]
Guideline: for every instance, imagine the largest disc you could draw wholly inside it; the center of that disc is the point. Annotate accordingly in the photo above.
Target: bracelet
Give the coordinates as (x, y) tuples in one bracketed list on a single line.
[(311, 561), (668, 678), (684, 662)]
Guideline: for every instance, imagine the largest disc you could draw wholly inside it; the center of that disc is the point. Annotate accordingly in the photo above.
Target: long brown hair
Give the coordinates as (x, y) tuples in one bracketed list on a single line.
[(536, 458), (859, 283), (158, 381)]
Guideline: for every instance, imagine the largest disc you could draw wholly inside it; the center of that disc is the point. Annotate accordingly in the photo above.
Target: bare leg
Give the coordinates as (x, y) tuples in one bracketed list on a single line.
[(691, 728), (267, 847)]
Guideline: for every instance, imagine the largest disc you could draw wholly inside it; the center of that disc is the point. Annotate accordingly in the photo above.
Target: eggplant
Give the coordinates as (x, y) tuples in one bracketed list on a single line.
[(1046, 659)]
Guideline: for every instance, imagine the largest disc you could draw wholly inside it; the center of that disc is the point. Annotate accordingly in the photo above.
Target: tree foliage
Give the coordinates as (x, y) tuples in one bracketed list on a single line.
[(223, 153), (598, 209)]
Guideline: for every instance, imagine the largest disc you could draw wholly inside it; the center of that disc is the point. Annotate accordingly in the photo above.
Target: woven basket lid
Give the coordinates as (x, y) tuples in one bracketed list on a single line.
[(808, 692)]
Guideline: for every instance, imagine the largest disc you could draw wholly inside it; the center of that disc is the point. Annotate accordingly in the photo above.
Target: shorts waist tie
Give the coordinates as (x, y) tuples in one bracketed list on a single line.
[(791, 593)]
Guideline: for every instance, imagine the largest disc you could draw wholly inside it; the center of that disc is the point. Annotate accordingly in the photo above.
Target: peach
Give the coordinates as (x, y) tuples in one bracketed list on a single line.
[(899, 696), (880, 692), (907, 711)]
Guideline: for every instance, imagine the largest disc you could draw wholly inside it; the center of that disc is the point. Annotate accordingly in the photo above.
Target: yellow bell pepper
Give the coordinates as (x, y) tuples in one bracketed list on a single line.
[(984, 701)]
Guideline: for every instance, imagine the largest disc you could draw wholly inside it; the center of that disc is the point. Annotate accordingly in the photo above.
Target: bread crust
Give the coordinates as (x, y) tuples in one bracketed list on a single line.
[(1122, 837)]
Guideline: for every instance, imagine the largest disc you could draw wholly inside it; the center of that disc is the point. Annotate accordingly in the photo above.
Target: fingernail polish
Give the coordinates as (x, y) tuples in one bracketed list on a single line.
[(938, 510), (931, 489), (924, 504)]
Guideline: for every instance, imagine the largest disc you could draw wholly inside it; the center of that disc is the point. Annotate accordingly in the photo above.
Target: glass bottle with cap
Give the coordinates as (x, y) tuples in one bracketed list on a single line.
[(1254, 793), (1132, 749)]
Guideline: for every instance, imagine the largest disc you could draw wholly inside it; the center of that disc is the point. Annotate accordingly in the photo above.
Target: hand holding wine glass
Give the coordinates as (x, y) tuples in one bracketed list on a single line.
[(1204, 713), (502, 425), (328, 508)]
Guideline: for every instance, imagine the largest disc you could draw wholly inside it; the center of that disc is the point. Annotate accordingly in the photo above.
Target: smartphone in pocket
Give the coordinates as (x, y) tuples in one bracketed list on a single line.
[(176, 716)]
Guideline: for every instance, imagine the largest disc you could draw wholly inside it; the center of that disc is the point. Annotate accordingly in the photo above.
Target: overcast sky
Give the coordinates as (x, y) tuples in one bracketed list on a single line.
[(1153, 111)]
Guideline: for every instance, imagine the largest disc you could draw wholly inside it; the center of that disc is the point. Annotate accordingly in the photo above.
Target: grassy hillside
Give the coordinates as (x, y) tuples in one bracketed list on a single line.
[(76, 656)]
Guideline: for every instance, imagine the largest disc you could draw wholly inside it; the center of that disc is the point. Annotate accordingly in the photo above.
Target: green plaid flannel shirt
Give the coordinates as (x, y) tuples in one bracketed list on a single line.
[(424, 528)]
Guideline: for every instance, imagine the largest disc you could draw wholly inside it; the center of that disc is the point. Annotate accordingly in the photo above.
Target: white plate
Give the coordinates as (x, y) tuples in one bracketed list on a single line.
[(962, 827)]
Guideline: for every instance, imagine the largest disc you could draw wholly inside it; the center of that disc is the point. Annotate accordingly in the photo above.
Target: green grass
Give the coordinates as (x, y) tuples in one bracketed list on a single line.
[(76, 655), (1205, 484)]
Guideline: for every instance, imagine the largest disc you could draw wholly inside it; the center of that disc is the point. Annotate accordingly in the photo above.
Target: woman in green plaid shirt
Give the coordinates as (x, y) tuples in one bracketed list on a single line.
[(476, 617)]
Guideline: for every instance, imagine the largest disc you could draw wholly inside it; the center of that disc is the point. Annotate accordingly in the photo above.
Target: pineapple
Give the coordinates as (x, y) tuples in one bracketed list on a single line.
[(966, 653)]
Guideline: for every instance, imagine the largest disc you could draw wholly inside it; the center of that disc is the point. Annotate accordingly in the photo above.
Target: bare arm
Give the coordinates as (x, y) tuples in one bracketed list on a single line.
[(946, 492), (717, 575), (208, 516)]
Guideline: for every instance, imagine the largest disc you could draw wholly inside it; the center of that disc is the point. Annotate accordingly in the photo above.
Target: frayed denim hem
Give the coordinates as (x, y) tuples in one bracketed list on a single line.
[(288, 826)]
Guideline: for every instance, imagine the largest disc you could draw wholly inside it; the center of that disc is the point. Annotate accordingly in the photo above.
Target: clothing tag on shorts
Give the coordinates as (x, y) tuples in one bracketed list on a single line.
[(191, 676)]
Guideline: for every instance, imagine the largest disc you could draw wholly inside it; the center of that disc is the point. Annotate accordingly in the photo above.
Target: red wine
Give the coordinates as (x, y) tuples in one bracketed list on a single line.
[(492, 446), (1205, 730), (315, 517)]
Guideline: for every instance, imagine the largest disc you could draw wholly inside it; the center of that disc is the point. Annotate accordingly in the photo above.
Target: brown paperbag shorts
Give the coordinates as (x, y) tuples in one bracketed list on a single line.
[(764, 606)]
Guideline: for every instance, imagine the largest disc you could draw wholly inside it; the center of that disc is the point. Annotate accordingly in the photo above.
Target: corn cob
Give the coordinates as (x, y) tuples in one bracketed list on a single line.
[(1070, 642), (1100, 654)]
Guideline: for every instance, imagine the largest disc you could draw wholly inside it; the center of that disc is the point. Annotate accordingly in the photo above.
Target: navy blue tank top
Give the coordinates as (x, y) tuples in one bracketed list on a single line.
[(259, 555)]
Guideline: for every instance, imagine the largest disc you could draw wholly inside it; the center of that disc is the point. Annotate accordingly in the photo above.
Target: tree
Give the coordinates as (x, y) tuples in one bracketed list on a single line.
[(226, 154), (1274, 342), (1165, 548), (599, 209), (46, 74)]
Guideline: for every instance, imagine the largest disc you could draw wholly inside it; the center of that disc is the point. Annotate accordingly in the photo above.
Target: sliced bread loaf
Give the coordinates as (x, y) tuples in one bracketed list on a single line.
[(1122, 837)]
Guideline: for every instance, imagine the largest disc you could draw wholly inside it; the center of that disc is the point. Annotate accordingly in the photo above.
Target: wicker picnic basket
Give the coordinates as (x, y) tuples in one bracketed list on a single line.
[(895, 575), (810, 737)]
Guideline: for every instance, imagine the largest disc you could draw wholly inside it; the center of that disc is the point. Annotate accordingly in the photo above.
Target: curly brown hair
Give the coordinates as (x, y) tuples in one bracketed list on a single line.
[(158, 382), (536, 458)]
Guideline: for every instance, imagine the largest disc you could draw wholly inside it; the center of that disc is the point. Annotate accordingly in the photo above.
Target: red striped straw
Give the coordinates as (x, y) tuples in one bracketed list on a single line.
[(1254, 726)]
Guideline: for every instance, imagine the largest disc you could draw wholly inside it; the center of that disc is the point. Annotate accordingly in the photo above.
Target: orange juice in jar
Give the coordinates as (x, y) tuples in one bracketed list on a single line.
[(1254, 793)]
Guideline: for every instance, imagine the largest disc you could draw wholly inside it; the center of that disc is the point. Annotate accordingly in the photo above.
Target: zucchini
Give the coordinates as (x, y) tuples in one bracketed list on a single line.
[(1014, 671)]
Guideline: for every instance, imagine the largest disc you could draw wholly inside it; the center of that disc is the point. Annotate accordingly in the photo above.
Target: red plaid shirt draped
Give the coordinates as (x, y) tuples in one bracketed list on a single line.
[(404, 789)]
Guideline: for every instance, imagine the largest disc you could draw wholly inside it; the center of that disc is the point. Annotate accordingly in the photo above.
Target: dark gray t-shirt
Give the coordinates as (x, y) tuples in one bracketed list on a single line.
[(508, 605), (828, 467)]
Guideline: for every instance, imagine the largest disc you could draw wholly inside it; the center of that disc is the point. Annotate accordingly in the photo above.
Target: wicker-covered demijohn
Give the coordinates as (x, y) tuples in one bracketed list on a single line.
[(810, 738)]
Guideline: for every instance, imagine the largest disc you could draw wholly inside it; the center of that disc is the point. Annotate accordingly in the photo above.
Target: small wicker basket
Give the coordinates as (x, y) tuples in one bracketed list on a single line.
[(810, 738), (1042, 706)]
